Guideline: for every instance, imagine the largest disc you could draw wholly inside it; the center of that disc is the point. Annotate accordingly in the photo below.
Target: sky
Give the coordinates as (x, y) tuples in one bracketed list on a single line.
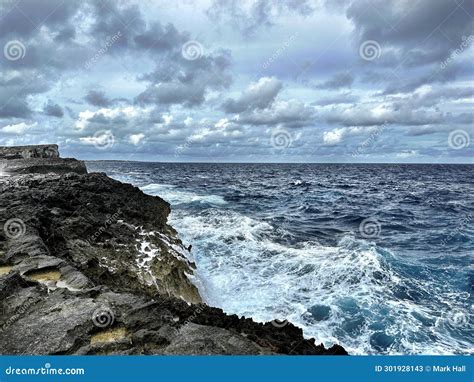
[(239, 80)]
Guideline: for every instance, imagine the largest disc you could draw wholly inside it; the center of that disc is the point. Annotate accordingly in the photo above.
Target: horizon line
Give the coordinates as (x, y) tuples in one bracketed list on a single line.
[(204, 162)]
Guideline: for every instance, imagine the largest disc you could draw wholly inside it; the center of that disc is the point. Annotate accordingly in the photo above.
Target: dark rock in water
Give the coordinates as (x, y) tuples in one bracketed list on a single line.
[(320, 312), (89, 265)]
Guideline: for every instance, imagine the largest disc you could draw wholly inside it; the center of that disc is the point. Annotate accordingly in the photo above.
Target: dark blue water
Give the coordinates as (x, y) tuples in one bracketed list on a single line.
[(375, 257)]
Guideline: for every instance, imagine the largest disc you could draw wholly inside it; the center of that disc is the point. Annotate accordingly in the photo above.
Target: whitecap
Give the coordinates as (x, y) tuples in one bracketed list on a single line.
[(176, 197)]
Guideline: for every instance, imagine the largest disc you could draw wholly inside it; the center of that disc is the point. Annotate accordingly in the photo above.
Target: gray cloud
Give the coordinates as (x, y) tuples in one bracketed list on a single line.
[(66, 34), (432, 96), (424, 31), (371, 115), (291, 114), (257, 105), (98, 98), (111, 17), (405, 82), (340, 80), (14, 90), (160, 38), (185, 81), (23, 17), (15, 108), (258, 95), (53, 110), (337, 99), (250, 16)]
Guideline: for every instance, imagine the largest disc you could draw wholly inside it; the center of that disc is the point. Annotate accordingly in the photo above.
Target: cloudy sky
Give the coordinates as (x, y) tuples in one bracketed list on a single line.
[(240, 81)]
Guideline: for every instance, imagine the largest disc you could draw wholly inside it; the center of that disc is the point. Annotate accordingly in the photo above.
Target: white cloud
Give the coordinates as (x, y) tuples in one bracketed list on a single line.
[(291, 113), (188, 121), (222, 123), (258, 95), (19, 128), (83, 120), (135, 139), (375, 113), (102, 138), (127, 112), (333, 137), (407, 154), (167, 118)]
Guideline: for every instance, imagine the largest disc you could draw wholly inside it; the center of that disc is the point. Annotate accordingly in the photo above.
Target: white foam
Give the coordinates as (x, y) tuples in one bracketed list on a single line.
[(245, 272), (176, 197), (147, 253)]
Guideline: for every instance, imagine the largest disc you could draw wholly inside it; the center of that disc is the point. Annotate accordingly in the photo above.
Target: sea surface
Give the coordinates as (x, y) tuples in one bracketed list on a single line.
[(378, 258)]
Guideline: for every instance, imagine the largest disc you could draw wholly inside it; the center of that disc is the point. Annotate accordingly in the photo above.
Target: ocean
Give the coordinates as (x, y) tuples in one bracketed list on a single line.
[(375, 257)]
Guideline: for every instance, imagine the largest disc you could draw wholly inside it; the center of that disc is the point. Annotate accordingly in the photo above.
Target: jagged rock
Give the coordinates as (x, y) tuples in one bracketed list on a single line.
[(89, 265)]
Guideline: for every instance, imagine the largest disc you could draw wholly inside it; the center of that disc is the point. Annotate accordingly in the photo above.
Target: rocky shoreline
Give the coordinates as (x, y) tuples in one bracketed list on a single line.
[(89, 265)]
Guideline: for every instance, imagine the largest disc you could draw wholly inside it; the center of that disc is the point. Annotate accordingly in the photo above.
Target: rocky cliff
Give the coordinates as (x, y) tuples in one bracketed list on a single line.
[(89, 265), (37, 159), (29, 152)]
